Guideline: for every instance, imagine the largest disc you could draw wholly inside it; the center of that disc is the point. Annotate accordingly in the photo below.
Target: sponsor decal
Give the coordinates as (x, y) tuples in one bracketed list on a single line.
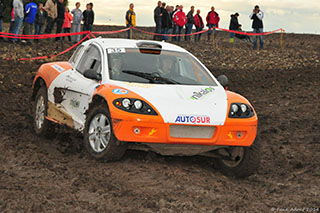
[(230, 135), (74, 103), (147, 86), (192, 119), (152, 132), (120, 91), (58, 68), (202, 93), (116, 50)]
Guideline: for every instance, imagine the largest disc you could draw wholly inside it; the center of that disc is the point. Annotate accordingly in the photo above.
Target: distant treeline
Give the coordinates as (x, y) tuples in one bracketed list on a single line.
[(7, 7)]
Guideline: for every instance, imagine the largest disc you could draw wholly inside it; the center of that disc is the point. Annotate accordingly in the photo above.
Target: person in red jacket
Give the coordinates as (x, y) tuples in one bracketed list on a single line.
[(198, 22), (180, 19), (212, 21), (67, 22)]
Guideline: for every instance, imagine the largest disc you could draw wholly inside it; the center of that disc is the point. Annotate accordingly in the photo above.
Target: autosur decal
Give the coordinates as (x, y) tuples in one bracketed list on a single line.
[(201, 93), (193, 119), (120, 91)]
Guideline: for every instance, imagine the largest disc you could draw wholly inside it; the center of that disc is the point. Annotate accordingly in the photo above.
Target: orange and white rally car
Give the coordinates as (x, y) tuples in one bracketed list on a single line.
[(146, 95)]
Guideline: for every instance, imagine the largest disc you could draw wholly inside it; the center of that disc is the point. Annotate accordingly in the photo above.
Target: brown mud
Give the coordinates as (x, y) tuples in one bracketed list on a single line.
[(57, 175)]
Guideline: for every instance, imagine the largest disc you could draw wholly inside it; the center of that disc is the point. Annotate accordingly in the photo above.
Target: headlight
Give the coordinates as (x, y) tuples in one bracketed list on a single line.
[(134, 106), (126, 103), (240, 110), (138, 104)]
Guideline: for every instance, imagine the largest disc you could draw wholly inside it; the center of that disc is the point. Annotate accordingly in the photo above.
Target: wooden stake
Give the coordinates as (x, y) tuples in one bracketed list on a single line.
[(281, 40), (130, 33), (213, 39)]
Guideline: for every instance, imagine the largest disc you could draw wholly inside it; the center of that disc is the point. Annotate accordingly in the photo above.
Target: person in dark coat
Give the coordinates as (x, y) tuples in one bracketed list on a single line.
[(234, 25), (1, 16), (157, 19), (60, 18), (88, 18), (257, 25), (198, 22), (190, 23), (166, 22), (41, 17)]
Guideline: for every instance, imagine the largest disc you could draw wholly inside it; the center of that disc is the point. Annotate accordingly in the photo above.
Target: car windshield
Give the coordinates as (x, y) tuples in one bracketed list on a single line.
[(156, 66)]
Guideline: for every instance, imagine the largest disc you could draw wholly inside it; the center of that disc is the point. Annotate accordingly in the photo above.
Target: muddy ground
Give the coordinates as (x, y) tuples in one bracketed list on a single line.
[(57, 175)]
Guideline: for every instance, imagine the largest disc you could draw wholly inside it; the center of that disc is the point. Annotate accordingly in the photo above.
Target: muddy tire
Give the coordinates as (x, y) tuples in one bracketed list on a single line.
[(99, 138), (246, 162), (41, 125)]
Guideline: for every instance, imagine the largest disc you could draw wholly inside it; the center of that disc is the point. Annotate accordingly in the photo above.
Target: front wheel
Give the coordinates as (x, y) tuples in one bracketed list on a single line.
[(240, 161), (41, 125), (99, 138)]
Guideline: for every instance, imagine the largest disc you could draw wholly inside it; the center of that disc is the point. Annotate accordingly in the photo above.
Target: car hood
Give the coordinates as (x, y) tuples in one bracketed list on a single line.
[(183, 104)]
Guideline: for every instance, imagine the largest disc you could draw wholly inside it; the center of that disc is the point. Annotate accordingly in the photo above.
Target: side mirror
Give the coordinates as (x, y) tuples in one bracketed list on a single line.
[(92, 74), (223, 80)]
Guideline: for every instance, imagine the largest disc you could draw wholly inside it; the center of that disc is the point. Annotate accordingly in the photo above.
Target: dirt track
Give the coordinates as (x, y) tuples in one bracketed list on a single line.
[(58, 176)]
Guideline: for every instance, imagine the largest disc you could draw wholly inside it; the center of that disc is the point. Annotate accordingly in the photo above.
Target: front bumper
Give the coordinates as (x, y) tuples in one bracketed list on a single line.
[(152, 129)]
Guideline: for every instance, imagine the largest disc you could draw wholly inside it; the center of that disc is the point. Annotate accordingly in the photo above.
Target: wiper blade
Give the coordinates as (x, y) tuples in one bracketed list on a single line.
[(152, 77)]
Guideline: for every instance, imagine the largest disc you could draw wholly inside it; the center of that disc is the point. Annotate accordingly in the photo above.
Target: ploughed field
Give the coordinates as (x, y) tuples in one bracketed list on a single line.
[(57, 175)]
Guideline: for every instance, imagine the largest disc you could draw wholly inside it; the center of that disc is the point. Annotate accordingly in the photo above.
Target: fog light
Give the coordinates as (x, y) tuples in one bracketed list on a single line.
[(239, 134), (243, 108), (136, 131)]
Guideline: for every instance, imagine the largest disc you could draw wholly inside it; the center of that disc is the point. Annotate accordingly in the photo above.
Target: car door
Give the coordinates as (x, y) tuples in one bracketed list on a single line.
[(75, 89)]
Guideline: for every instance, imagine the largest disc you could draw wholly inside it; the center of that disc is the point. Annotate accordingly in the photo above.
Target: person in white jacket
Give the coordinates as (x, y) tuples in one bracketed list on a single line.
[(257, 25), (18, 17)]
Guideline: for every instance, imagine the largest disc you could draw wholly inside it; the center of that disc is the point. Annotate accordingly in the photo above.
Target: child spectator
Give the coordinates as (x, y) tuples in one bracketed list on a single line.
[(88, 18), (212, 21), (40, 20), (198, 22), (67, 22), (76, 24)]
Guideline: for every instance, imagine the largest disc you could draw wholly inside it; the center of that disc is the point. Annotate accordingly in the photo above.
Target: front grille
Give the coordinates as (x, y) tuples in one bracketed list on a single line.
[(183, 131)]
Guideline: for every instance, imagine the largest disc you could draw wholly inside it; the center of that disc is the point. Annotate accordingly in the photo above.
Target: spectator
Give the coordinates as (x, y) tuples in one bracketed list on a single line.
[(76, 24), (166, 22), (212, 21), (180, 19), (18, 17), (157, 19), (30, 16), (88, 18), (52, 10), (130, 19), (40, 19), (1, 16), (12, 23), (67, 22), (190, 23), (198, 22), (257, 25), (173, 23), (60, 17), (234, 25)]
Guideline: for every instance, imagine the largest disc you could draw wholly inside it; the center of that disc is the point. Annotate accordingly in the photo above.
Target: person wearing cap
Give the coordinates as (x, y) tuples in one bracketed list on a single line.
[(257, 25), (234, 25)]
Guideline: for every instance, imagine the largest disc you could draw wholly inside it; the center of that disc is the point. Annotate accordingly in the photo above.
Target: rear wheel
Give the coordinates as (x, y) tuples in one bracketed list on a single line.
[(99, 138), (41, 125), (239, 161)]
